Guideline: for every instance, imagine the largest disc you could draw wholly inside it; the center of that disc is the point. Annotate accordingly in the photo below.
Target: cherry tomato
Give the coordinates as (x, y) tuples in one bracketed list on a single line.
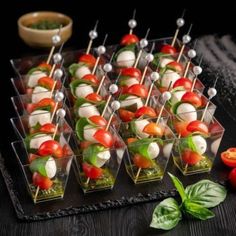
[(181, 128), (190, 157), (50, 147), (183, 82), (138, 90), (215, 127), (45, 65), (88, 59), (232, 178), (153, 129), (94, 97), (197, 126), (41, 181), (46, 82), (131, 140), (192, 98), (92, 78), (131, 72), (229, 157), (129, 39), (124, 89), (48, 128), (98, 120), (32, 157), (104, 137), (126, 115), (162, 89), (145, 110), (168, 49), (66, 150), (92, 172), (141, 161), (176, 66), (46, 102)]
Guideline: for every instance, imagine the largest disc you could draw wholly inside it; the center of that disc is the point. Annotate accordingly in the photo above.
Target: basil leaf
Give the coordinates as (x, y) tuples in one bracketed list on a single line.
[(166, 215), (158, 56), (197, 211), (31, 71), (90, 153), (179, 186), (187, 143), (206, 193), (79, 127)]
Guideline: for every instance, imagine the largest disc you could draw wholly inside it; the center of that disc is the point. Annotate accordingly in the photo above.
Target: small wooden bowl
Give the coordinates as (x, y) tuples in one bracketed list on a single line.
[(39, 37)]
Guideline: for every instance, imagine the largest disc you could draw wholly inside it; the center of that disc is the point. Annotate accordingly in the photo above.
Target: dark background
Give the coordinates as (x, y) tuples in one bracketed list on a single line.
[(214, 18)]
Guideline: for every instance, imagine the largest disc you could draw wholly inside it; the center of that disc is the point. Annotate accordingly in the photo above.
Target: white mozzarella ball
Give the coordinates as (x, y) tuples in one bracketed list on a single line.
[(38, 139), (82, 90), (176, 96), (200, 144), (126, 59), (187, 112), (34, 77), (39, 93), (164, 61), (168, 77), (139, 126), (131, 100), (50, 168), (102, 158), (167, 150), (39, 116), (89, 132), (82, 71), (88, 110), (153, 150), (131, 81)]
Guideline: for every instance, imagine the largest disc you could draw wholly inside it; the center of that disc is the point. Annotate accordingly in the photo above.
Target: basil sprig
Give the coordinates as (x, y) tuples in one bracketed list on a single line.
[(196, 199)]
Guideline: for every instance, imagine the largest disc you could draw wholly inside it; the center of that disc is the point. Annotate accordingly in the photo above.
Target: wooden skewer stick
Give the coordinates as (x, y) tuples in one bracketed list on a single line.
[(115, 105), (180, 22), (101, 50), (197, 70), (186, 39), (143, 43), (92, 34), (36, 194), (55, 40), (61, 113), (132, 23)]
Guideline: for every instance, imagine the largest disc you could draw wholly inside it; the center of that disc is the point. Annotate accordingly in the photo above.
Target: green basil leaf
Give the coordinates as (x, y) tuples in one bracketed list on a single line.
[(197, 211), (79, 127), (206, 193), (187, 143), (90, 153), (158, 56), (179, 186), (166, 215), (32, 70)]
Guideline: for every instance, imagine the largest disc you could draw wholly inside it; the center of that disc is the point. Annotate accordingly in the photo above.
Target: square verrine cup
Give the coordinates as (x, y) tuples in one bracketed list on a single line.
[(199, 136)]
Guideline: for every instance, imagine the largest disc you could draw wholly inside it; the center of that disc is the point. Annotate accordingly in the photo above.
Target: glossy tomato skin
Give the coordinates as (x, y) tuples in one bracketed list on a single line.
[(181, 128), (176, 66), (129, 39), (46, 82), (98, 120), (145, 110), (168, 49), (229, 157), (50, 147), (138, 90), (141, 162), (45, 102), (153, 129), (94, 97), (45, 65), (183, 82), (190, 157), (92, 172), (88, 59), (41, 181), (192, 98), (131, 72), (48, 128), (104, 137), (197, 126), (126, 115), (232, 178), (91, 78)]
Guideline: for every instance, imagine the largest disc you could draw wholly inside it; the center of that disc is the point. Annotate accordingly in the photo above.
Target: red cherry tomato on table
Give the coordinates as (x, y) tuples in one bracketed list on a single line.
[(94, 97), (153, 129), (168, 49), (141, 161), (197, 126), (88, 59), (126, 115), (229, 157), (41, 181), (98, 120), (176, 66), (129, 39), (91, 78), (50, 147), (131, 72), (183, 82), (91, 172), (138, 90), (145, 110), (104, 137), (232, 178), (190, 157), (192, 98)]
